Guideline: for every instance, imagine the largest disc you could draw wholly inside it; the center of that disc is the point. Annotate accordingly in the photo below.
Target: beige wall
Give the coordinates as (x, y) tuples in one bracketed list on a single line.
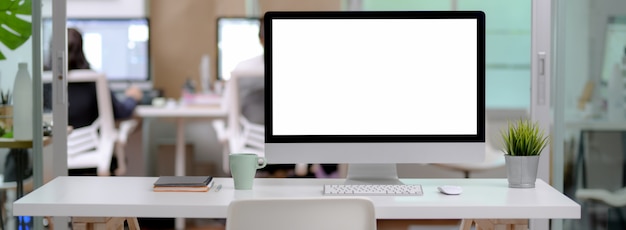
[(296, 5), (181, 32), (184, 30)]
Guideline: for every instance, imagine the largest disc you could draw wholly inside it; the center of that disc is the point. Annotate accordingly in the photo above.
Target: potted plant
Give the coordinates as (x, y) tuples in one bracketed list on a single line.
[(6, 112), (18, 32), (523, 143)]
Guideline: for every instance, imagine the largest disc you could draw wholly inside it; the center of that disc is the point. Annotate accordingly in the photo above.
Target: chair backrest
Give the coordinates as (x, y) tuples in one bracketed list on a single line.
[(245, 98), (328, 213), (246, 111), (92, 146)]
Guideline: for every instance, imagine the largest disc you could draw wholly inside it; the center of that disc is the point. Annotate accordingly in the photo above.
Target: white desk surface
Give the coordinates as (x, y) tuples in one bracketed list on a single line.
[(133, 197), (181, 111)]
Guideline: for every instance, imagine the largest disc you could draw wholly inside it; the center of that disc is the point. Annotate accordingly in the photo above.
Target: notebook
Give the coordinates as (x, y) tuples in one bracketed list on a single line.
[(183, 184)]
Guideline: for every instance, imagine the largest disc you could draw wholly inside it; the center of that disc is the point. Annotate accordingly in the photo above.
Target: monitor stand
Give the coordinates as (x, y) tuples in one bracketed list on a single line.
[(372, 174)]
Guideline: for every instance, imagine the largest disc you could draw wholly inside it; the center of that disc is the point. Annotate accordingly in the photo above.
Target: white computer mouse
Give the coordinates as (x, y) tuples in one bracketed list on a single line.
[(450, 189)]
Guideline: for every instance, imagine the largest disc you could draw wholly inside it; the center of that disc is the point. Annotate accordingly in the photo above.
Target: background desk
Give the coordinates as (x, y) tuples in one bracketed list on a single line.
[(133, 196), (180, 113), (20, 159), (600, 154)]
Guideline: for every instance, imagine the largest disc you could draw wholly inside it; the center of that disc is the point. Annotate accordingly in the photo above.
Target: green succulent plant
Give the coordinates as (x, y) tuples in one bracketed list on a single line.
[(14, 31), (5, 97), (524, 138)]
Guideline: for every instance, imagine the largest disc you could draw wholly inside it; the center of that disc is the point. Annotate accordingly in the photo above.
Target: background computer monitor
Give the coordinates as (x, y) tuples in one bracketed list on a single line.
[(614, 49), (237, 40), (119, 47), (374, 89)]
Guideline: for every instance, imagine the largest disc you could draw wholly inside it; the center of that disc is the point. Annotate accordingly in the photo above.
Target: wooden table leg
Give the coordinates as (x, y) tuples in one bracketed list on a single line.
[(495, 224), (133, 224), (466, 224), (104, 223)]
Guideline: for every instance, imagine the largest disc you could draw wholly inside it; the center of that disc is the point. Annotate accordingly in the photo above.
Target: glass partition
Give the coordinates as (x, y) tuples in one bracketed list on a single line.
[(22, 154), (590, 64), (508, 42)]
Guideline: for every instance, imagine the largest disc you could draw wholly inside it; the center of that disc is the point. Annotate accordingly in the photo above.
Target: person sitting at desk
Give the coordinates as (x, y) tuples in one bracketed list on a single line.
[(82, 100), (253, 109)]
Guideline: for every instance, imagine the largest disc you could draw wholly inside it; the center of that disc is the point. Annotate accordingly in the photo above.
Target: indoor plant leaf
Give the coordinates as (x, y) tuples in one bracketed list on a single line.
[(14, 31), (524, 138)]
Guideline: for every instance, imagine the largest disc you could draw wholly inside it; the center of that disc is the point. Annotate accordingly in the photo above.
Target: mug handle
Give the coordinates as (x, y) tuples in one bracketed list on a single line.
[(262, 164)]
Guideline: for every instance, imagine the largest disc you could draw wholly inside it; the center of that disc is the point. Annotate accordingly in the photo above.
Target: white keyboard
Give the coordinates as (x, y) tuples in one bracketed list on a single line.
[(373, 190)]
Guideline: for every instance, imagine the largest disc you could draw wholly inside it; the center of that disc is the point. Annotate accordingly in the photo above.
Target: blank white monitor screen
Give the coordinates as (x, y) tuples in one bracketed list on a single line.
[(374, 87)]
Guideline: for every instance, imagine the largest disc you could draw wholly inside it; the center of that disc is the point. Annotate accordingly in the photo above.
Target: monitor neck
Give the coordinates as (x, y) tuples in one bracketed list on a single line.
[(372, 174)]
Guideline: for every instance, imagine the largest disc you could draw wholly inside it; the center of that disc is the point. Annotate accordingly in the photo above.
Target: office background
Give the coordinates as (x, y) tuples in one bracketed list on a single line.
[(182, 31)]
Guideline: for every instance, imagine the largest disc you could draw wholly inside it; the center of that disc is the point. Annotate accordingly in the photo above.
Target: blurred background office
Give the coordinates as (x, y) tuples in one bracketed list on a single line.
[(588, 50)]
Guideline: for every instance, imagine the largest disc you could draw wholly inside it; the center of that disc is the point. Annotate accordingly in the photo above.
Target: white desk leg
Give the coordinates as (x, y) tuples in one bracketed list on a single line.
[(149, 162), (180, 161), (180, 147)]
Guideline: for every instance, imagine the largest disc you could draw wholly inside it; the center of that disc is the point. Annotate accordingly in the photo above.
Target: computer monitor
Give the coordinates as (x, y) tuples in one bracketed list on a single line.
[(374, 89), (119, 47), (237, 40)]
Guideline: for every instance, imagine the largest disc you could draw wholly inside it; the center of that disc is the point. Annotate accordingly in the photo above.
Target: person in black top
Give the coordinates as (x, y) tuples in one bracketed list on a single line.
[(82, 97), (82, 100)]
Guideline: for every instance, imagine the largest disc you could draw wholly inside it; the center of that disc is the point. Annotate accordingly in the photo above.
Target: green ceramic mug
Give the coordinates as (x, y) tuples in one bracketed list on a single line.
[(243, 168)]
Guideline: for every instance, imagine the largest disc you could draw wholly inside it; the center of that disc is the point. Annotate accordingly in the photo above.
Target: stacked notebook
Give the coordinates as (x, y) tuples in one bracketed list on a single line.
[(183, 184)]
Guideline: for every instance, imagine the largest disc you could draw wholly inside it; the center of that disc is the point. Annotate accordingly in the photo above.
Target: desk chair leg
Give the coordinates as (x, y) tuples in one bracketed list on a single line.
[(120, 155)]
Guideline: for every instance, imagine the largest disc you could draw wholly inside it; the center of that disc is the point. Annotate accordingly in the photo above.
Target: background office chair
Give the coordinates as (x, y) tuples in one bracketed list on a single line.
[(92, 146), (599, 183), (241, 134), (494, 158), (495, 122), (614, 201), (245, 131), (327, 213)]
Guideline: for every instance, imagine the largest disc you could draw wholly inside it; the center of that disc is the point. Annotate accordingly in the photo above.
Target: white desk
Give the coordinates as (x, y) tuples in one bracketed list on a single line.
[(180, 113), (133, 197)]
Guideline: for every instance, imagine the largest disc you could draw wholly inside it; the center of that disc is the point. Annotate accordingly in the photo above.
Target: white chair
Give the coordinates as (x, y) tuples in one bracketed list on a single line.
[(240, 134), (328, 213), (93, 146), (496, 121), (613, 201), (493, 159)]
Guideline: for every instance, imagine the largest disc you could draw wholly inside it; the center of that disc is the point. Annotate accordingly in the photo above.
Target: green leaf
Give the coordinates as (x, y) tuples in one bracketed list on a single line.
[(524, 138), (14, 31)]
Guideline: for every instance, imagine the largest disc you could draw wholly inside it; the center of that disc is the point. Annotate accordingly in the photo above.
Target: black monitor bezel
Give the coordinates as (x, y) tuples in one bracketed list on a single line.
[(478, 15)]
